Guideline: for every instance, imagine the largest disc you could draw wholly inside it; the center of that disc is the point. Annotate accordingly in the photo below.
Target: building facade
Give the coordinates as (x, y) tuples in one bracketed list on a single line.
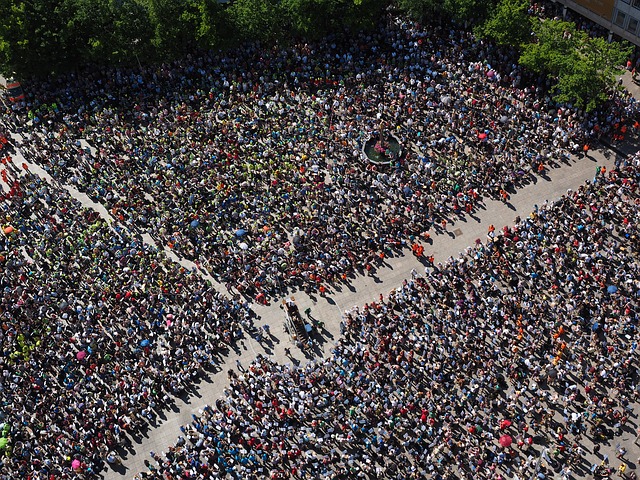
[(620, 17)]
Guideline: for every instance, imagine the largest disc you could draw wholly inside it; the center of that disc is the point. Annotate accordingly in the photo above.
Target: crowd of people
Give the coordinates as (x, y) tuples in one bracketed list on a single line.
[(250, 162), (517, 351), (99, 332)]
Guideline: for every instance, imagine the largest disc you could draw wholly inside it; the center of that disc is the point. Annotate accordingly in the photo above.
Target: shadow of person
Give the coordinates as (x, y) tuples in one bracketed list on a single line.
[(327, 334), (425, 261), (119, 468), (317, 350), (320, 340), (124, 450), (137, 438)]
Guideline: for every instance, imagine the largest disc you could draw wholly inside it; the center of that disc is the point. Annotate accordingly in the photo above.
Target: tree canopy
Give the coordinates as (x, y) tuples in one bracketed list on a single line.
[(508, 24), (41, 37), (584, 68), (33, 36)]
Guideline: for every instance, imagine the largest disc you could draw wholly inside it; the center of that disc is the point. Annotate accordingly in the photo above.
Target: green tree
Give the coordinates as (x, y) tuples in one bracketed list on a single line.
[(13, 35), (33, 39), (554, 47), (360, 14), (201, 21), (131, 32), (467, 11), (88, 28), (316, 18), (422, 10), (584, 68), (179, 26), (39, 37), (460, 11), (309, 17), (509, 24), (258, 19)]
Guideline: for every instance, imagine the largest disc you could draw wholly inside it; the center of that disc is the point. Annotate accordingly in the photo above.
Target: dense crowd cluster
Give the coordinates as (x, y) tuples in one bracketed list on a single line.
[(250, 162), (99, 331), (527, 341)]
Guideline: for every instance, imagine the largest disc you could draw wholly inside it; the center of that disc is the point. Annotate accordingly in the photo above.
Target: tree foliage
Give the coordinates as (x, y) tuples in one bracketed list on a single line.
[(422, 10), (466, 11), (105, 31), (41, 37), (508, 24), (359, 13), (181, 26), (281, 19), (257, 19), (32, 36), (460, 11), (585, 68)]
